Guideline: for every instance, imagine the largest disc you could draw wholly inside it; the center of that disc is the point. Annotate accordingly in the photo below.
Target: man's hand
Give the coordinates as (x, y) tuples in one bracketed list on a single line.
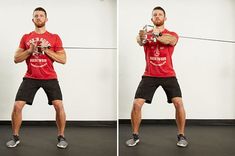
[(141, 37), (156, 31), (32, 48)]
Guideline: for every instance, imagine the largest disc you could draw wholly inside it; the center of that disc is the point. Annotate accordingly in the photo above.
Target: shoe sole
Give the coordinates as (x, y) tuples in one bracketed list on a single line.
[(17, 142), (63, 147), (136, 142), (181, 145)]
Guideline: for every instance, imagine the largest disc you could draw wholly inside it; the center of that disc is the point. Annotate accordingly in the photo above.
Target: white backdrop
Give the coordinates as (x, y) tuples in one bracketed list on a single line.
[(205, 69), (88, 80)]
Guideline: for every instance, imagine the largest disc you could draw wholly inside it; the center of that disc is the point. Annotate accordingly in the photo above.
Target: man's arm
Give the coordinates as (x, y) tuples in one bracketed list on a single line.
[(139, 41), (141, 37), (167, 39), (59, 56), (21, 54)]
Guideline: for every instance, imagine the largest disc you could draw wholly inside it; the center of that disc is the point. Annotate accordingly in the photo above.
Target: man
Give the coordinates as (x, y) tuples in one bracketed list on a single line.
[(158, 47), (39, 49)]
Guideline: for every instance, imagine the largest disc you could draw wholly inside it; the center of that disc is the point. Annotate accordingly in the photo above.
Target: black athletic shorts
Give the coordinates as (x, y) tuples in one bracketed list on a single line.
[(29, 87), (148, 86)]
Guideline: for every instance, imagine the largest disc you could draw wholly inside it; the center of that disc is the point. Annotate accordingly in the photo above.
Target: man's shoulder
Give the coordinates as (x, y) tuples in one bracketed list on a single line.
[(52, 34), (170, 32), (28, 34)]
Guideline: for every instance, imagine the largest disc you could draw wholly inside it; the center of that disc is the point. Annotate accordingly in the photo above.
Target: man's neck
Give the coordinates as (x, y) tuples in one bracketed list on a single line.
[(159, 28), (40, 30)]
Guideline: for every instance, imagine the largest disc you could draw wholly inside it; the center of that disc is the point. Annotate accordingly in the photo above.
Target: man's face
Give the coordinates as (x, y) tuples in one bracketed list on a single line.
[(39, 19), (158, 17)]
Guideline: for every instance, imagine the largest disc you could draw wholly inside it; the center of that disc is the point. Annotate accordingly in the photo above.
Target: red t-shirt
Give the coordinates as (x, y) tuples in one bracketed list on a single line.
[(40, 65), (158, 57)]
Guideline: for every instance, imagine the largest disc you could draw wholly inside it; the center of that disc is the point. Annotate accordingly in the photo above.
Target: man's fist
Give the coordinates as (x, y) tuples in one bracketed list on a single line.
[(142, 35)]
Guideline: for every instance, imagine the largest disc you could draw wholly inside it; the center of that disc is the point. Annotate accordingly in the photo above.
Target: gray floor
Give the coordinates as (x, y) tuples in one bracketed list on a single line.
[(41, 140), (160, 140)]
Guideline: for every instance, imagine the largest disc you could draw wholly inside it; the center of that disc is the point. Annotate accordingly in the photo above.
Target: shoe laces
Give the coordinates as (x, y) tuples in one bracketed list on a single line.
[(181, 137), (16, 137), (61, 138), (135, 137)]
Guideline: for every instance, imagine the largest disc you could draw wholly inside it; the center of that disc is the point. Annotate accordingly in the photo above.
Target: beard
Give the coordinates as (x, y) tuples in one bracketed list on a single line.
[(39, 24), (159, 23)]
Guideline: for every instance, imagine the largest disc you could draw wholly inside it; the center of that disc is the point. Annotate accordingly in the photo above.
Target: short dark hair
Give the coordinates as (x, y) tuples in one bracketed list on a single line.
[(160, 8), (40, 9)]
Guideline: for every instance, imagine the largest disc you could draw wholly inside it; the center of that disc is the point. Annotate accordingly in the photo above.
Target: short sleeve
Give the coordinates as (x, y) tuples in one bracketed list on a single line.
[(22, 43), (176, 35), (58, 44)]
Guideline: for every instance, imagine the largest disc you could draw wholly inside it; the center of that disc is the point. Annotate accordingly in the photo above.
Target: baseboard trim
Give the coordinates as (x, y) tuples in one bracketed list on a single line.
[(190, 122), (68, 123), (113, 123)]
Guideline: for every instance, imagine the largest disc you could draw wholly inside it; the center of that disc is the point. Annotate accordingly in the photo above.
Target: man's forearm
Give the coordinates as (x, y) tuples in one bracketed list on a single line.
[(21, 56), (56, 56), (167, 39)]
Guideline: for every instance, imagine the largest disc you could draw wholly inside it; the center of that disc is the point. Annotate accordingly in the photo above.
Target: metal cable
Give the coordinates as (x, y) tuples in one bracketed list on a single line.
[(104, 48), (88, 48), (207, 39)]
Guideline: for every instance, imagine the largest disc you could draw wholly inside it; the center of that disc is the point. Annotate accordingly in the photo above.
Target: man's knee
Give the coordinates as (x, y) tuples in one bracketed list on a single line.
[(58, 105), (18, 106), (178, 102), (137, 104)]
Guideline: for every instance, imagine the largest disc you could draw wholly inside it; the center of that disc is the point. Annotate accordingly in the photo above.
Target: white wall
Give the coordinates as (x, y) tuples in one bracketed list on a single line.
[(88, 80), (205, 70)]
